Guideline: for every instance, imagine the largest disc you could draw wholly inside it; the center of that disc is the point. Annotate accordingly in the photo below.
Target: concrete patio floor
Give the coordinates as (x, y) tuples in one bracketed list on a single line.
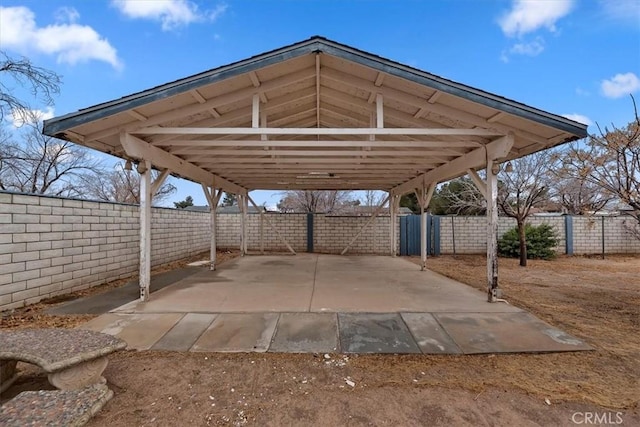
[(325, 304)]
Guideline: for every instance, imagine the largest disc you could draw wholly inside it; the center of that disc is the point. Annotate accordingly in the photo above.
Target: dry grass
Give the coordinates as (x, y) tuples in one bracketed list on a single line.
[(594, 299)]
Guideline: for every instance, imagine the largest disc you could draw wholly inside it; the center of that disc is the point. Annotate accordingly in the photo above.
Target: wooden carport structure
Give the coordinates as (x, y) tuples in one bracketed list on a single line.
[(316, 115)]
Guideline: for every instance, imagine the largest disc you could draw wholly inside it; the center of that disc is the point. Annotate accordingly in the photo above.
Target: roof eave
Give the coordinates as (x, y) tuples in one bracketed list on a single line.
[(56, 126)]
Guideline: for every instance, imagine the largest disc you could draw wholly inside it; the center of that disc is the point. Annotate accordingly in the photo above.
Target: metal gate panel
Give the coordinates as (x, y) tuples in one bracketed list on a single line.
[(410, 234)]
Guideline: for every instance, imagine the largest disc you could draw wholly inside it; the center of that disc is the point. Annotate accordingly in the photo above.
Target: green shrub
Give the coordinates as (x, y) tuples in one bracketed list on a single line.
[(540, 242)]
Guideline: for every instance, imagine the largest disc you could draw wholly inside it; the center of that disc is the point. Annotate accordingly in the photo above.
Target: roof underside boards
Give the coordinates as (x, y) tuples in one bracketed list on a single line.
[(206, 121)]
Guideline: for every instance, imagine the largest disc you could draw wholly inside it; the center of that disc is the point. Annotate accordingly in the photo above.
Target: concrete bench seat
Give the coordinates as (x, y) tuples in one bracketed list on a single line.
[(73, 358), (54, 408)]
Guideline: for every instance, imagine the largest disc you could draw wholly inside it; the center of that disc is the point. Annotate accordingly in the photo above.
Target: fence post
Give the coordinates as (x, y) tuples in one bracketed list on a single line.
[(428, 231), (436, 235), (568, 234), (403, 235), (453, 234), (602, 229), (310, 232)]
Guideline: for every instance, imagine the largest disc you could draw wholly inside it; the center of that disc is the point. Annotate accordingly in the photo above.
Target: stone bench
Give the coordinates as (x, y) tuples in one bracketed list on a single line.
[(54, 408), (73, 358)]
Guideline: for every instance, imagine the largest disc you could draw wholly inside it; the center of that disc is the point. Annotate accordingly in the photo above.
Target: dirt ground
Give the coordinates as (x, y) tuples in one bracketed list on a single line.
[(596, 300), (33, 316)]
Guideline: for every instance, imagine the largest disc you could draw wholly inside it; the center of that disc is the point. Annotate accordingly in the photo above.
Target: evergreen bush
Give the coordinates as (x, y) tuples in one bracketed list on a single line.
[(540, 241)]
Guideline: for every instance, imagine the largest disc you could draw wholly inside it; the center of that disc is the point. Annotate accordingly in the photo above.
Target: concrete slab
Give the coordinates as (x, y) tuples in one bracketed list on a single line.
[(246, 284), (185, 333), (140, 331), (238, 333), (506, 333), (249, 293), (375, 333), (381, 284), (429, 335), (306, 333)]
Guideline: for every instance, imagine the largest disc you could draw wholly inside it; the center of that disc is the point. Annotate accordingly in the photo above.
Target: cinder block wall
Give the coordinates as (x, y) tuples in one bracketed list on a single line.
[(52, 246), (293, 227), (331, 233), (587, 235), (471, 234)]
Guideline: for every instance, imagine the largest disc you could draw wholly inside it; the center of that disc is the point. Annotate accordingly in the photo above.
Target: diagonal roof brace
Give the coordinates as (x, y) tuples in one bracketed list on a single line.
[(139, 149), (475, 159)]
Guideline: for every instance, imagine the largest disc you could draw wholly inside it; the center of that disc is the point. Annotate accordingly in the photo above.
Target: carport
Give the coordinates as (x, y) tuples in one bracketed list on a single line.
[(316, 115)]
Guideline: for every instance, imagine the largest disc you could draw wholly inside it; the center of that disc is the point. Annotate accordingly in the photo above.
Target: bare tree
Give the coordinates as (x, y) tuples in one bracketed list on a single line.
[(40, 164), (326, 201), (576, 194), (42, 83), (611, 161), (527, 186), (371, 199), (123, 186), (459, 196)]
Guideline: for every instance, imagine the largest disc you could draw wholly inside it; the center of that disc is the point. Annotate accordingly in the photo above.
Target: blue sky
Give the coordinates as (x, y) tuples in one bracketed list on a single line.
[(569, 57)]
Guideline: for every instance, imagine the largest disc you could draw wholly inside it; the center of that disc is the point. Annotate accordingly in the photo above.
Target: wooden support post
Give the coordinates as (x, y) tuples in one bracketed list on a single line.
[(244, 231), (242, 219), (492, 232), (213, 250), (423, 229), (392, 225), (373, 216), (424, 198), (396, 209), (275, 230), (213, 197), (144, 167), (261, 231)]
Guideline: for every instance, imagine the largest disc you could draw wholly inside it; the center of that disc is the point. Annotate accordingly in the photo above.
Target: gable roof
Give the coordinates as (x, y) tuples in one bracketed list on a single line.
[(316, 83)]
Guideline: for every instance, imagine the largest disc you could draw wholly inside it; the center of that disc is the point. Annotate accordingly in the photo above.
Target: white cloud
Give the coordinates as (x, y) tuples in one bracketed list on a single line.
[(582, 92), (67, 15), (20, 117), (70, 42), (171, 13), (622, 10), (620, 85), (527, 16), (579, 118), (217, 12), (533, 48)]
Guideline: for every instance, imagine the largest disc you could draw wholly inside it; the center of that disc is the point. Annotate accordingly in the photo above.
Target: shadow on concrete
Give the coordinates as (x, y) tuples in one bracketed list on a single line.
[(114, 298)]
